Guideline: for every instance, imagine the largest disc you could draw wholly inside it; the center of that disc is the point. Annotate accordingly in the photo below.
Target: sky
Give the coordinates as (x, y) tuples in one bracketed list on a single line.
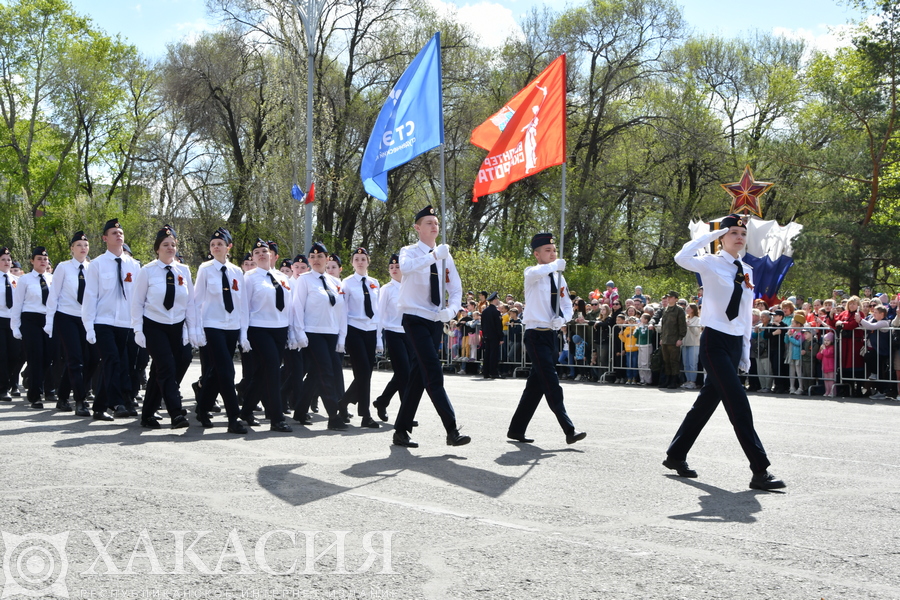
[(151, 24)]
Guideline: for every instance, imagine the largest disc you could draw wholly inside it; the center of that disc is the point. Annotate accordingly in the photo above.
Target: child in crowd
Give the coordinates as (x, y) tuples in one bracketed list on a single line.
[(645, 349), (794, 348), (630, 350), (580, 349), (826, 356), (618, 350)]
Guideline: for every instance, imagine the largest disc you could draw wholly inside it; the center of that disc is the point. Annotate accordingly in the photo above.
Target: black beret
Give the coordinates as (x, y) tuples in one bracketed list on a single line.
[(247, 257), (126, 248), (541, 239), (261, 243), (361, 251), (166, 231), (733, 221), (301, 258), (318, 247), (395, 259), (111, 224), (273, 246), (425, 212), (78, 237), (286, 262), (38, 251), (222, 234), (336, 259), (5, 250), (16, 264)]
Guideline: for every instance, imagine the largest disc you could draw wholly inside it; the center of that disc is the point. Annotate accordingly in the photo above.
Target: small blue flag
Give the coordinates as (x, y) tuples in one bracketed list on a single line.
[(410, 122), (297, 194)]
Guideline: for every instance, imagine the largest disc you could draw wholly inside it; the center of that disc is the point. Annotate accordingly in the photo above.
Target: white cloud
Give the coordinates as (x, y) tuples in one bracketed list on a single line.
[(190, 31), (825, 38), (137, 8), (490, 21)]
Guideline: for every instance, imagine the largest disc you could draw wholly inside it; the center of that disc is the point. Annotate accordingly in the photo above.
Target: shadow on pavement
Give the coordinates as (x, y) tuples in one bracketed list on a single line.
[(721, 505)]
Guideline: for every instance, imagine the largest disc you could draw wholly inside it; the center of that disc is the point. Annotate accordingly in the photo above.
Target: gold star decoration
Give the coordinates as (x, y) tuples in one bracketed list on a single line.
[(746, 193)]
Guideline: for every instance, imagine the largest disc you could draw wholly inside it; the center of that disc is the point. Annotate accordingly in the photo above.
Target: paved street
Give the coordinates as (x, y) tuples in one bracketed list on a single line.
[(109, 510)]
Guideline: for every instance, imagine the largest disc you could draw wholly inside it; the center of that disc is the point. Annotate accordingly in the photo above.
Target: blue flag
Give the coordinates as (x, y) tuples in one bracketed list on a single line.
[(410, 122)]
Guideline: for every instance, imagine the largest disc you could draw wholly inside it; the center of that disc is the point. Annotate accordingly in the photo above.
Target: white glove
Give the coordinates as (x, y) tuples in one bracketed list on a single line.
[(91, 336), (379, 349), (201, 338), (17, 334), (194, 340), (714, 235), (557, 322), (245, 345), (48, 329), (139, 339), (339, 348), (744, 365), (560, 264), (185, 338), (446, 314), (302, 340), (442, 252)]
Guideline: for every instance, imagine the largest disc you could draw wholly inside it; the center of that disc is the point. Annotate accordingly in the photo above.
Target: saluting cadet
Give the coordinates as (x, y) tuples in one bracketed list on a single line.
[(549, 308), (390, 326), (322, 320), (27, 320), (106, 314), (361, 303), (265, 333), (162, 308), (424, 312), (219, 307), (10, 347), (65, 325)]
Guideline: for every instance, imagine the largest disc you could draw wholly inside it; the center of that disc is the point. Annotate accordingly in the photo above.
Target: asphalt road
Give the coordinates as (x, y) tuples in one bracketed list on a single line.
[(109, 510)]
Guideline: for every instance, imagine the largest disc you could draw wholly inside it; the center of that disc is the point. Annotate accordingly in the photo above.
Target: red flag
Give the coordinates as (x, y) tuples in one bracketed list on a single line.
[(525, 136), (311, 195)]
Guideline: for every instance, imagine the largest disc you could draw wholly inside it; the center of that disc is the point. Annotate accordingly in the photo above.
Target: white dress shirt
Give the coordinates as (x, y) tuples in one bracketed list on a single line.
[(537, 297), (718, 272), (27, 297), (209, 300), (313, 311), (390, 316), (415, 285), (354, 301), (259, 300), (13, 282), (64, 291), (104, 301), (149, 293)]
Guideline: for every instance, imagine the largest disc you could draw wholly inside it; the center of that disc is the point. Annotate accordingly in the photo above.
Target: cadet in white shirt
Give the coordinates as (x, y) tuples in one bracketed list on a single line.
[(390, 330), (27, 320), (265, 333), (106, 314), (10, 347), (292, 369), (65, 325), (162, 308), (361, 302), (219, 307)]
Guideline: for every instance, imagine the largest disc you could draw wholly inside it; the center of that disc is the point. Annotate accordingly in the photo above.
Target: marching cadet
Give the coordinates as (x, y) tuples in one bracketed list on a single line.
[(10, 347), (300, 265), (322, 320), (162, 308), (390, 326), (65, 325), (292, 370), (286, 269), (424, 312), (549, 309), (27, 319), (361, 303), (219, 307), (265, 332)]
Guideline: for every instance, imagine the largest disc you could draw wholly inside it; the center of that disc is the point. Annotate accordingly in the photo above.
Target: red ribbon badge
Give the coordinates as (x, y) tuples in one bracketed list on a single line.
[(14, 283), (234, 284), (448, 276), (372, 286), (128, 278), (180, 280), (285, 286), (747, 281)]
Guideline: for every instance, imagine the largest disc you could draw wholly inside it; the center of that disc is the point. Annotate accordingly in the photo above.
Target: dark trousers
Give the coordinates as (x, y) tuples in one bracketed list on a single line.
[(218, 377), (10, 356), (39, 352), (423, 337), (360, 346), (491, 366), (543, 382), (267, 345), (721, 354), (79, 357), (671, 355), (292, 380), (399, 355), (323, 367), (166, 349), (115, 384)]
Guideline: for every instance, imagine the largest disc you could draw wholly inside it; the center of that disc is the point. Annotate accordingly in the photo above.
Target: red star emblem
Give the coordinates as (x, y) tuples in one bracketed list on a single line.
[(746, 192)]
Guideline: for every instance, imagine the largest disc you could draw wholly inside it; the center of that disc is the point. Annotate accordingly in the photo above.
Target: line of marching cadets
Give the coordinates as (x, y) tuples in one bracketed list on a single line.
[(113, 316)]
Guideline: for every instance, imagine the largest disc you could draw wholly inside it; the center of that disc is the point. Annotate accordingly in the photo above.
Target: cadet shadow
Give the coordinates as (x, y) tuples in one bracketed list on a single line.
[(721, 505), (525, 455)]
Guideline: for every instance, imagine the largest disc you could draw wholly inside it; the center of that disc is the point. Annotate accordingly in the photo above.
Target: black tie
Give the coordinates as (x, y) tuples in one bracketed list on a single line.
[(554, 297), (279, 293), (226, 292), (435, 285), (8, 291), (169, 300), (367, 300), (330, 293), (45, 291), (80, 284), (119, 271), (734, 304)]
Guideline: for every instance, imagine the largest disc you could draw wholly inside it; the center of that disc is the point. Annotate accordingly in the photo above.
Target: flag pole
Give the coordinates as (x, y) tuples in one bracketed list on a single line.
[(562, 225), (443, 277)]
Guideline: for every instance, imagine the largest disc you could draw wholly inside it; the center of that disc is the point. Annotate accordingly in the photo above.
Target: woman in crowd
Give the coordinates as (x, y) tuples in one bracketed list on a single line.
[(690, 347), (852, 340)]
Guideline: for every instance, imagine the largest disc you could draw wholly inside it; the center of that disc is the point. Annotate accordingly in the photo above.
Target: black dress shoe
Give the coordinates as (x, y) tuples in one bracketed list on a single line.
[(344, 416), (150, 424), (204, 420), (37, 404), (455, 438), (337, 424), (196, 387), (382, 412), (15, 392), (401, 438), (766, 481), (121, 412), (5, 397), (370, 423), (575, 437), (280, 426), (132, 411), (215, 408), (63, 406), (251, 421), (303, 419), (180, 421), (236, 427), (681, 467), (50, 398), (415, 423), (102, 416), (518, 437), (82, 410)]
